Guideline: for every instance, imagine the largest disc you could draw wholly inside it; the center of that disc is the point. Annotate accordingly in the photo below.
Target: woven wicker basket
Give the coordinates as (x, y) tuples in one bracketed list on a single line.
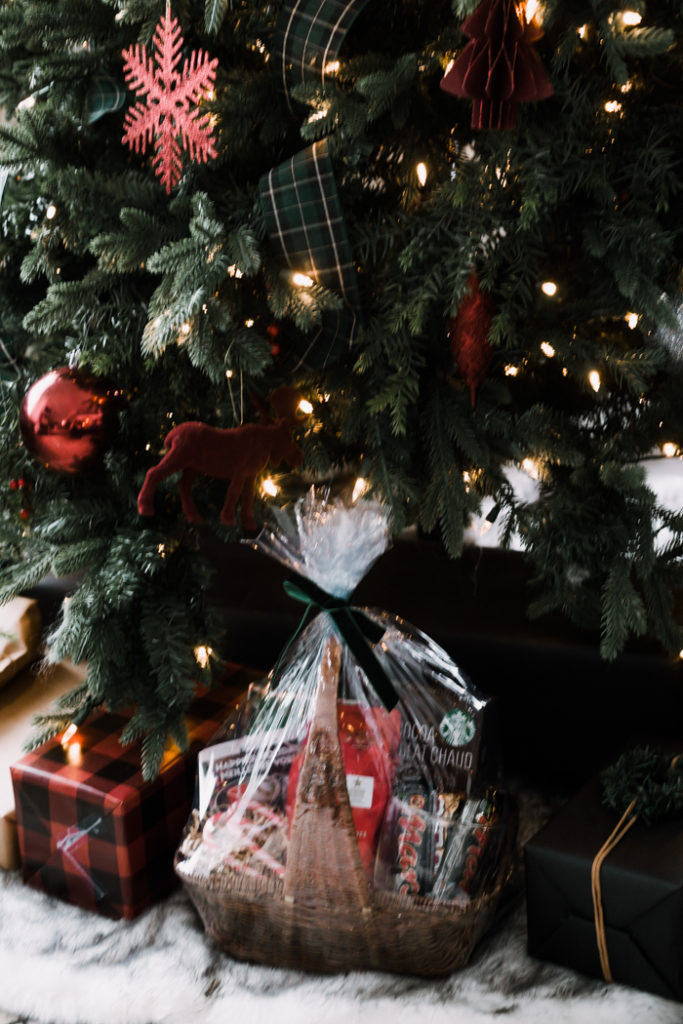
[(322, 915)]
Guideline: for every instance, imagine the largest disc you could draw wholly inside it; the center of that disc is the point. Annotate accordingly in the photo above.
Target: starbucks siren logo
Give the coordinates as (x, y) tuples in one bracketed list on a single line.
[(457, 727)]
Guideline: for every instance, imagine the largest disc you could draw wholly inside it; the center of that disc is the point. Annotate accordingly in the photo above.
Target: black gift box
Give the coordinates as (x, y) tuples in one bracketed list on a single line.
[(642, 896)]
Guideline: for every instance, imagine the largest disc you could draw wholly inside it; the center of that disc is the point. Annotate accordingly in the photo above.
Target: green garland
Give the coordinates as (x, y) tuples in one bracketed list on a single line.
[(650, 777)]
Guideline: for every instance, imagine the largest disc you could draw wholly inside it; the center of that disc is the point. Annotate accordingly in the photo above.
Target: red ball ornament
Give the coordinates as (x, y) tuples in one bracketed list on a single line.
[(67, 419)]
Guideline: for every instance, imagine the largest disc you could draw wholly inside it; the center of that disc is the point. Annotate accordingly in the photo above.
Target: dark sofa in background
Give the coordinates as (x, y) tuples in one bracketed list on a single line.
[(563, 712)]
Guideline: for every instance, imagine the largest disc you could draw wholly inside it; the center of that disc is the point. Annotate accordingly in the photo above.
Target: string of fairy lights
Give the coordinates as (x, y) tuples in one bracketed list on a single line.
[(270, 486)]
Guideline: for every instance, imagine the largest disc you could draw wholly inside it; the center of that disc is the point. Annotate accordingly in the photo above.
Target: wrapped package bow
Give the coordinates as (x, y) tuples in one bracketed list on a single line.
[(343, 821)]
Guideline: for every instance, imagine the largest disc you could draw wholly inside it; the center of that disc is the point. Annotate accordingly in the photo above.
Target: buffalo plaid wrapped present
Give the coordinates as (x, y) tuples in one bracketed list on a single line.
[(91, 830)]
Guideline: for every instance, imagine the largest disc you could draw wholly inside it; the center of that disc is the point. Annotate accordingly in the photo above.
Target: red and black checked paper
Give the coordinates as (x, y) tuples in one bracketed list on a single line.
[(94, 832)]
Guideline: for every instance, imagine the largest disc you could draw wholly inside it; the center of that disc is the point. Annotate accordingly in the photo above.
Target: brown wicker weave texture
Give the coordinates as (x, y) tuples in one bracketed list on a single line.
[(324, 916)]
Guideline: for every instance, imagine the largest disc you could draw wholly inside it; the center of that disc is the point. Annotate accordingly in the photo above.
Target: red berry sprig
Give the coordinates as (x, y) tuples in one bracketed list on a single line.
[(22, 484), (273, 332)]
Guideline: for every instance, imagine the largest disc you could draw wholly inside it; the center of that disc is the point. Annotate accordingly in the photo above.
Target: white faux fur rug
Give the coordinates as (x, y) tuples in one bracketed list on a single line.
[(62, 965)]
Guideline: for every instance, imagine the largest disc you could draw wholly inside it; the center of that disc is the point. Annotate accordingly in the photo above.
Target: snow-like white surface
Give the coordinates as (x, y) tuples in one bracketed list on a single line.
[(664, 476), (62, 965)]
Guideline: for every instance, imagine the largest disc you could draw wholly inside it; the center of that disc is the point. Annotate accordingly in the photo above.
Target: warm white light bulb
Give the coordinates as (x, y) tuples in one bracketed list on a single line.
[(332, 67), (203, 655), (69, 733), (594, 380), (547, 349), (631, 18), (305, 407), (51, 212), (549, 288), (74, 754), (229, 374), (669, 449), (421, 171), (359, 488), (530, 466), (185, 329), (511, 371), (270, 488), (632, 320), (613, 106), (302, 280), (318, 115), (248, 323)]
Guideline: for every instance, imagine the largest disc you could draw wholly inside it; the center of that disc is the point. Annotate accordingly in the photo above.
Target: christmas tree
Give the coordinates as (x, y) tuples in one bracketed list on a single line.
[(453, 228)]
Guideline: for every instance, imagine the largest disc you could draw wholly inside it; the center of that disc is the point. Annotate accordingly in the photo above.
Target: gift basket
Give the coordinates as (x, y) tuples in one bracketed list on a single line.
[(343, 819)]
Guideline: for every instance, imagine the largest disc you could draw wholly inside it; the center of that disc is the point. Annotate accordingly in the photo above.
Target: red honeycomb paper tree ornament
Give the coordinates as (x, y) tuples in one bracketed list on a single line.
[(498, 68), (169, 114)]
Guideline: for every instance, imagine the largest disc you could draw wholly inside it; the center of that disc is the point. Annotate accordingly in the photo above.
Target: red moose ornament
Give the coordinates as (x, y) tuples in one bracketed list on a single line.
[(498, 68), (237, 454)]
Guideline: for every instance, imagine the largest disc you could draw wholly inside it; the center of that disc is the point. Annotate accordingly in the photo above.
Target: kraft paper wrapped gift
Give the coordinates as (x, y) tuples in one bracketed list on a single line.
[(642, 896), (29, 693), (20, 635), (91, 830)]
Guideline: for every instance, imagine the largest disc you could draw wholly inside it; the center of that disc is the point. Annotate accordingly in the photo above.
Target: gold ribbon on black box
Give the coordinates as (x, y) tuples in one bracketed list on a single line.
[(630, 770)]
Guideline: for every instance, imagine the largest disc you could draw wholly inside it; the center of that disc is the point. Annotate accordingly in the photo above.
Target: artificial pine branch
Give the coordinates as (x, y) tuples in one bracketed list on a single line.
[(184, 302)]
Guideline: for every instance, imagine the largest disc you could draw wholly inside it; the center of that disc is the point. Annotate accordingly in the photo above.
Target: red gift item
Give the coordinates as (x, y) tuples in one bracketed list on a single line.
[(369, 739), (91, 830)]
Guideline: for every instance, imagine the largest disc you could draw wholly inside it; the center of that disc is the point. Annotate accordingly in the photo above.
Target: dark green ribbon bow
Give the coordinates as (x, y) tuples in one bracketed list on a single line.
[(356, 629)]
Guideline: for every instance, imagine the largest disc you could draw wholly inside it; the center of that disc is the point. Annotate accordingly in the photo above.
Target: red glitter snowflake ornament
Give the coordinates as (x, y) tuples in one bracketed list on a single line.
[(169, 114)]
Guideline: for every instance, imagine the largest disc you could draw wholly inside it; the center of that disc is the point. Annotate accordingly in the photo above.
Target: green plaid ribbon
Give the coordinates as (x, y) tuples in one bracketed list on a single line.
[(105, 95), (309, 36), (305, 223)]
